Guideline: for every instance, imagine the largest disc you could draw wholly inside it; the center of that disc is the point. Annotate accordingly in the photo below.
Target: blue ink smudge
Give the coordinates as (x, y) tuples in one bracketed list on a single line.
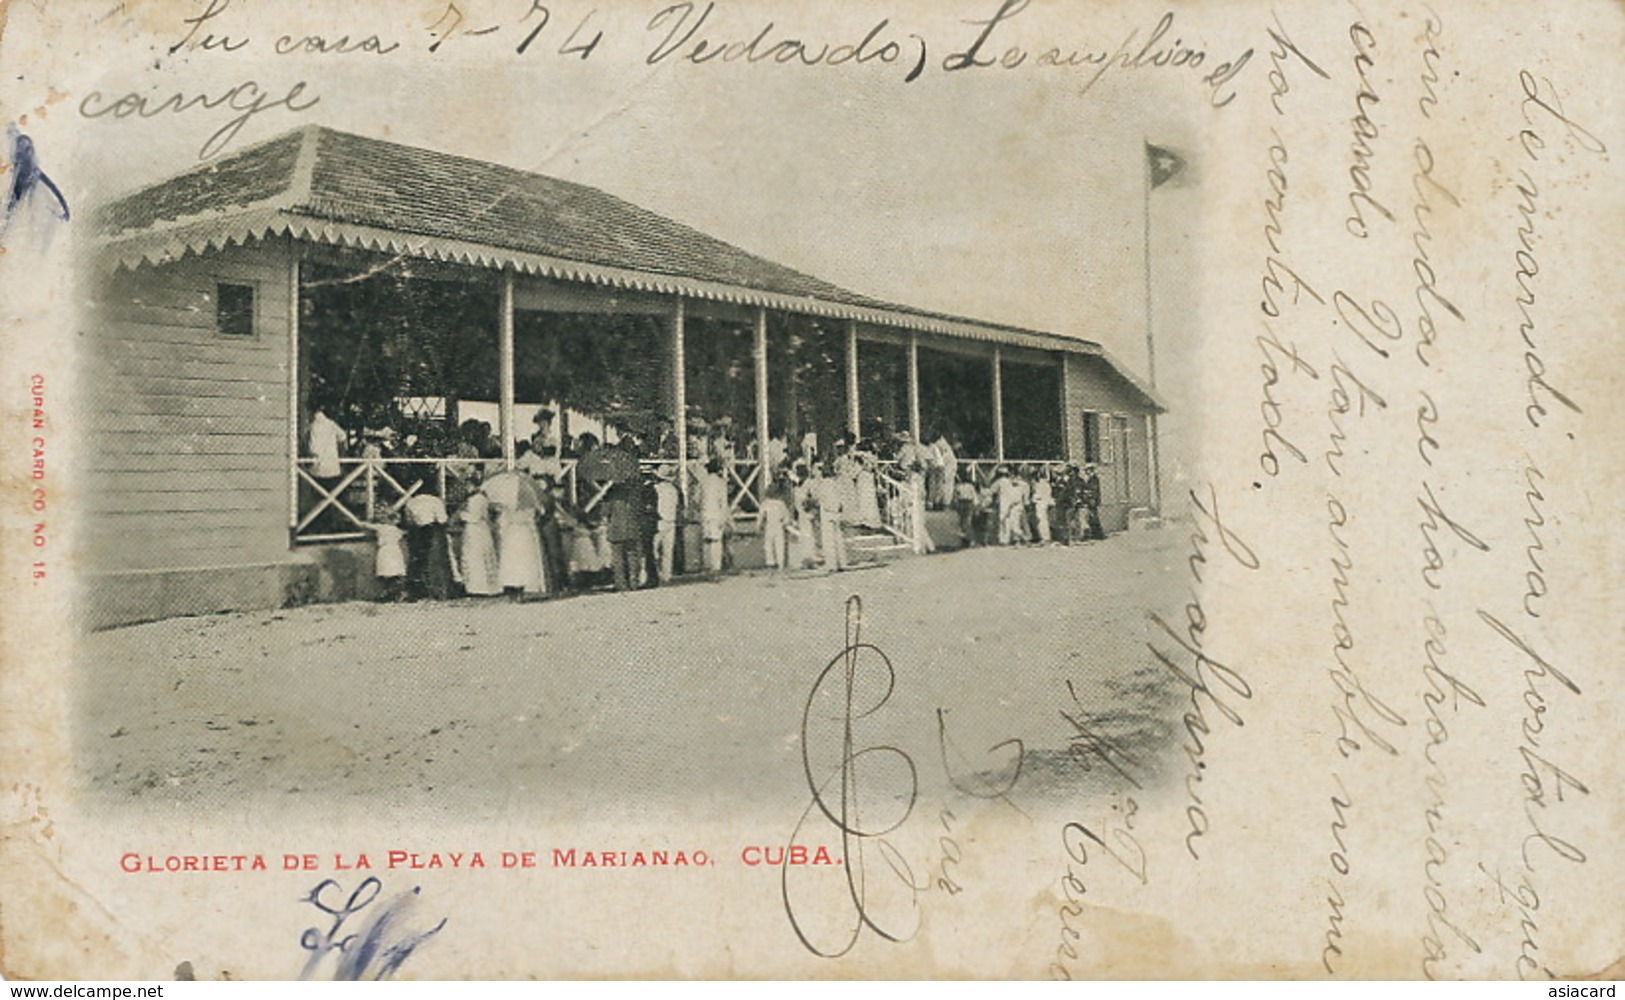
[(26, 177)]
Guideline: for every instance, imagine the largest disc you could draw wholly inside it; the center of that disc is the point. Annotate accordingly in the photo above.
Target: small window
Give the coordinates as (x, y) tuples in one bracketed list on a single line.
[(1117, 441), (1091, 437), (234, 310)]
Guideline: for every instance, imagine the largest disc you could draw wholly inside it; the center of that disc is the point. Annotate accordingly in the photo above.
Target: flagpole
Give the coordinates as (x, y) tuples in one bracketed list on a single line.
[(1153, 452), (1150, 345)]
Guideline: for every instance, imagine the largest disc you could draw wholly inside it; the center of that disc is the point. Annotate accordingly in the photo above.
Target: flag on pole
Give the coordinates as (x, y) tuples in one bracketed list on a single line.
[(1165, 164)]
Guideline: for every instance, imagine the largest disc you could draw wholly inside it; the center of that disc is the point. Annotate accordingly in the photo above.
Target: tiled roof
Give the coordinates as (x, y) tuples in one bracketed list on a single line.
[(328, 175), (257, 174), (322, 184), (436, 194)]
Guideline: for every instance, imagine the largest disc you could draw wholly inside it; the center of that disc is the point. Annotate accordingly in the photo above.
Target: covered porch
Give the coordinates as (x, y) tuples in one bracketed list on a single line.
[(436, 372)]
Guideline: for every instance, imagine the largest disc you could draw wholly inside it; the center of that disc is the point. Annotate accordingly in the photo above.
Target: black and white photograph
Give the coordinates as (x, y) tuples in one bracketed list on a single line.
[(734, 490)]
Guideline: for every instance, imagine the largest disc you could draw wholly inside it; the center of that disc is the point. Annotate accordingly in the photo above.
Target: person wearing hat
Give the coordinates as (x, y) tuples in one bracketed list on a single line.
[(623, 506), (829, 493), (1007, 496), (966, 500), (542, 438), (913, 459), (699, 449), (1066, 504), (776, 522), (1043, 502), (865, 491), (1089, 496), (713, 494), (665, 506)]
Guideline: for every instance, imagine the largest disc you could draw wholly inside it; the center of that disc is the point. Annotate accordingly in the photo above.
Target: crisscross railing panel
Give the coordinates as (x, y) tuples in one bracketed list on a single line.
[(368, 490)]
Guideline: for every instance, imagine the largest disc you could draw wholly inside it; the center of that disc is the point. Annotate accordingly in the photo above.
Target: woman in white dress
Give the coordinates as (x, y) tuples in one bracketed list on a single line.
[(479, 551), (844, 470), (514, 498), (865, 490)]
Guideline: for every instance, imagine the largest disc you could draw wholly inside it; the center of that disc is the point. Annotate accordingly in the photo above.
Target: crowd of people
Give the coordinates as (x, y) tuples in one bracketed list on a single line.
[(620, 519), (533, 531), (1030, 504)]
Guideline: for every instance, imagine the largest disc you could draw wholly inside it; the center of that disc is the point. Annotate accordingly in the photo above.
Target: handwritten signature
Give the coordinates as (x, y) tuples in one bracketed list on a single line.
[(371, 947), (851, 689)]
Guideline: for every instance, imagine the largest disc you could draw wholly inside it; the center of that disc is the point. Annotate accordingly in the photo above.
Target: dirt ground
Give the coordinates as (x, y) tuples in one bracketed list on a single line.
[(692, 693)]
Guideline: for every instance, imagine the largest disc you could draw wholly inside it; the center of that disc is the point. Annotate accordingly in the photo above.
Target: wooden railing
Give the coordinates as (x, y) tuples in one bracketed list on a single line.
[(902, 506), (369, 490)]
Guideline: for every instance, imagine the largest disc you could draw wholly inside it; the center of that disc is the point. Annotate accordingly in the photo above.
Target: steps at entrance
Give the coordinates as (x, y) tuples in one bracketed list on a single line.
[(868, 545), (863, 545)]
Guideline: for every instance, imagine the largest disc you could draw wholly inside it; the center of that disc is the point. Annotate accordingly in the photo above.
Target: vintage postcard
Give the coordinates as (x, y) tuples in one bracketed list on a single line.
[(738, 489)]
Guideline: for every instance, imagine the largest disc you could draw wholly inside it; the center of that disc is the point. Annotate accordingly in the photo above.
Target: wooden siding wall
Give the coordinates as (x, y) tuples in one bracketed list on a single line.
[(1139, 472), (1092, 386), (187, 462)]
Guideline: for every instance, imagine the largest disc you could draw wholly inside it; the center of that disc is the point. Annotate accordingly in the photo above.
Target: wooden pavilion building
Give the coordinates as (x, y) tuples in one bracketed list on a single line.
[(406, 290)]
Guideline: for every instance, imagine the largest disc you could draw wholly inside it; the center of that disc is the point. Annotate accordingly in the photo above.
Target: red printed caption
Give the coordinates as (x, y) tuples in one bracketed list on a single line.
[(753, 856), (389, 861), (36, 475)]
